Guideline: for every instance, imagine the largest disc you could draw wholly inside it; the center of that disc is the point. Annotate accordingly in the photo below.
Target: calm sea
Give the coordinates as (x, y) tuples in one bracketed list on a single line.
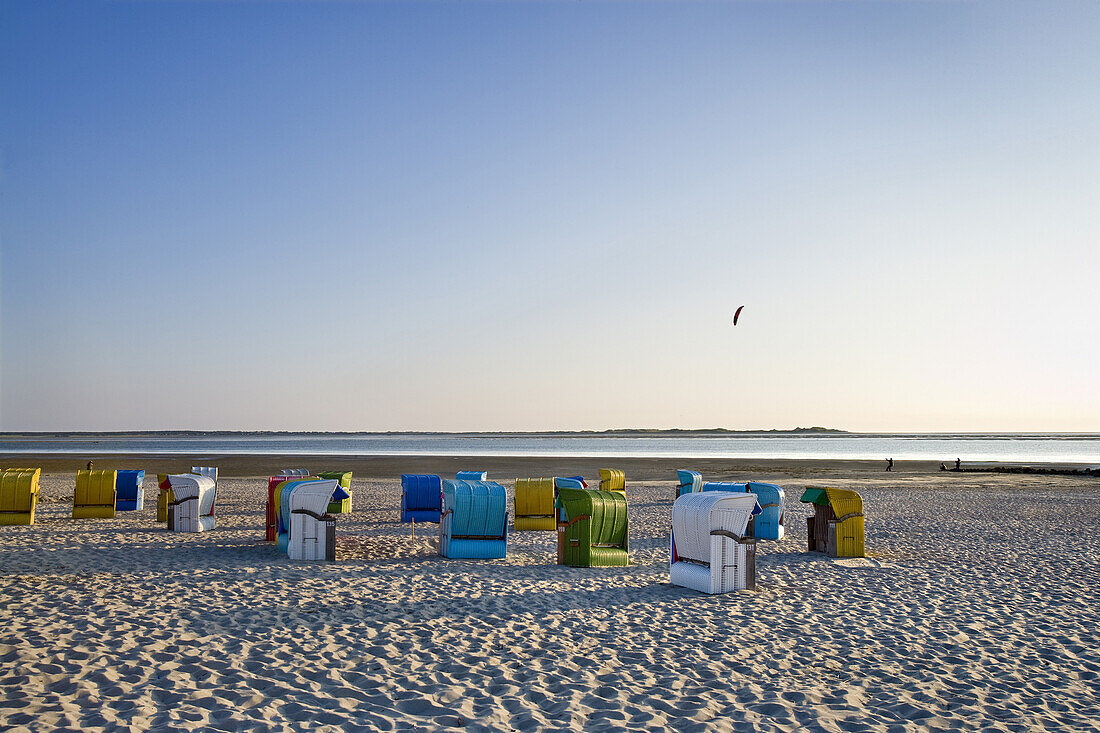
[(1027, 448)]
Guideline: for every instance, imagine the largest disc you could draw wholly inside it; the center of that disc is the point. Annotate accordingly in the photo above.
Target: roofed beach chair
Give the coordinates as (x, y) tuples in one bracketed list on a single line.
[(836, 527), (306, 531), (18, 495), (95, 495), (164, 497), (709, 550), (474, 522), (294, 472), (343, 480), (612, 479), (271, 522), (690, 481), (129, 492), (535, 505), (421, 498), (209, 472), (592, 526), (192, 506), (768, 525), (472, 475)]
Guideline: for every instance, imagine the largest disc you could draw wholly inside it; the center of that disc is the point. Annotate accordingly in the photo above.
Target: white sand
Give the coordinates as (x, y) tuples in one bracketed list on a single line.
[(977, 610)]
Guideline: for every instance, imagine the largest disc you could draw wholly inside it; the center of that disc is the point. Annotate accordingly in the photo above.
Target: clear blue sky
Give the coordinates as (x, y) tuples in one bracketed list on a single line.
[(539, 215)]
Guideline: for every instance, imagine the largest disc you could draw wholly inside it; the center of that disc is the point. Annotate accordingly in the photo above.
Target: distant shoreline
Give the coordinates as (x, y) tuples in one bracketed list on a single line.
[(657, 432)]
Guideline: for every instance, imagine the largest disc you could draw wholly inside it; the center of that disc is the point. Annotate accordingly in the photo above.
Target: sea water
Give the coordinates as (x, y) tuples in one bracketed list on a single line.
[(970, 447)]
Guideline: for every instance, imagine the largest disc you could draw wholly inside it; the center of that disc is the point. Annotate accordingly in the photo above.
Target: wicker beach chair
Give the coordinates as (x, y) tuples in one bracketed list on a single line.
[(306, 531), (19, 495), (768, 525), (421, 498), (192, 506), (592, 526), (690, 482), (129, 491), (95, 494), (836, 527), (474, 521), (709, 550), (612, 479), (472, 476), (343, 480), (535, 505)]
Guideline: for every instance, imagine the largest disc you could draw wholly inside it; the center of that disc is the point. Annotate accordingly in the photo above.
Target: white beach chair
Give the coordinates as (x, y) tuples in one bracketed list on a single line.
[(708, 548), (293, 472), (193, 507), (312, 530)]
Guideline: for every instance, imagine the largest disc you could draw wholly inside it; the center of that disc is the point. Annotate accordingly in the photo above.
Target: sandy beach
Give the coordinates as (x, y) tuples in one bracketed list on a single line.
[(977, 609)]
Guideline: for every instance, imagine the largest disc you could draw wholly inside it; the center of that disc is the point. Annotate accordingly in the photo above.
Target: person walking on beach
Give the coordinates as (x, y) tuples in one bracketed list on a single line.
[(89, 465), (889, 464), (957, 464)]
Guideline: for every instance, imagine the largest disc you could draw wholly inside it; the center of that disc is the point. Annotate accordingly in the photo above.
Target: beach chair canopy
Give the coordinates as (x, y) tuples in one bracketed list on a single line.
[(339, 504), (293, 472), (95, 494), (694, 516), (343, 478), (709, 548), (837, 526), (474, 519), (472, 475), (186, 486), (690, 481), (592, 526), (308, 497), (19, 489), (769, 525), (208, 471), (129, 492), (535, 504), (842, 501), (421, 497), (612, 479)]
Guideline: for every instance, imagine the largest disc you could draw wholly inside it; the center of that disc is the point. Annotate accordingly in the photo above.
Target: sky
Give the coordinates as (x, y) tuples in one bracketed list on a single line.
[(539, 215)]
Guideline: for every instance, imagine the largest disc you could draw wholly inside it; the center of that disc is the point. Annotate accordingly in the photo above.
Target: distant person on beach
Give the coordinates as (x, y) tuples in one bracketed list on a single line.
[(889, 464), (943, 467), (89, 465), (958, 463)]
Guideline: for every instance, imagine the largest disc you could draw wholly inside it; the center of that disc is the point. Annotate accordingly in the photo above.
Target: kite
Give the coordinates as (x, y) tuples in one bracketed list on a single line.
[(737, 314)]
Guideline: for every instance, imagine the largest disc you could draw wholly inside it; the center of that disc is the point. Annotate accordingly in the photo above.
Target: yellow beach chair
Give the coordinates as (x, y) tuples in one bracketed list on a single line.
[(836, 527), (612, 479), (18, 495), (95, 495), (535, 505)]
